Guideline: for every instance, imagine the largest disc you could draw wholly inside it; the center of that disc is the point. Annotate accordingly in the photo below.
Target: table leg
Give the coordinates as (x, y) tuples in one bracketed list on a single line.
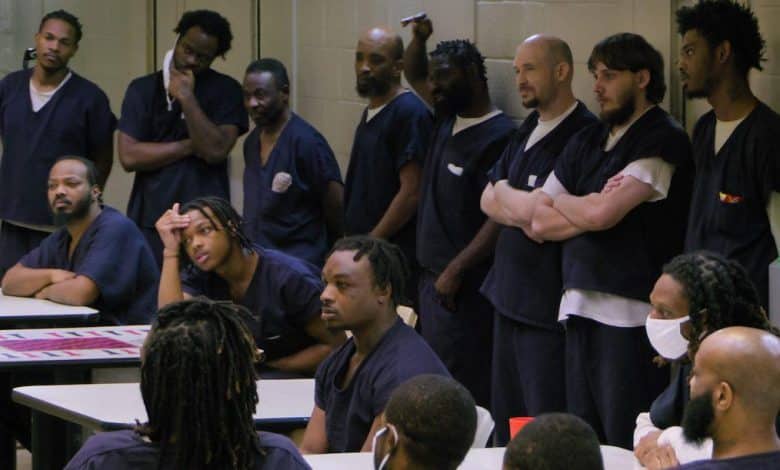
[(54, 441)]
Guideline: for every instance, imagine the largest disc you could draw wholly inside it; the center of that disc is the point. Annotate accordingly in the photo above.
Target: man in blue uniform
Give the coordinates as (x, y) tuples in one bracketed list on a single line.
[(293, 196), (179, 124), (455, 240), (736, 197), (619, 196), (385, 166), (364, 282), (46, 112), (524, 284)]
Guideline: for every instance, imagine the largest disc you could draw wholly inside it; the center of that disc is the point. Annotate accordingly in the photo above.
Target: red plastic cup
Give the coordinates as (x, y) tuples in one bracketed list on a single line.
[(516, 424)]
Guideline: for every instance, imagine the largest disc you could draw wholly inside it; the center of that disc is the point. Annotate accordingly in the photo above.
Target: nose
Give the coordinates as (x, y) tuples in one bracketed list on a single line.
[(326, 295), (252, 102)]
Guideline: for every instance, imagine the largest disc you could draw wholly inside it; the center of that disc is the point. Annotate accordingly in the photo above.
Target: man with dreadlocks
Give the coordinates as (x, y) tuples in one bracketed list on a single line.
[(455, 239), (364, 283), (222, 263), (198, 386), (697, 294)]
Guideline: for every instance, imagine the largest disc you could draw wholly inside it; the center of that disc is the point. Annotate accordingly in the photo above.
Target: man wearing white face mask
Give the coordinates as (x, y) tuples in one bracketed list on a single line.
[(429, 422), (697, 294)]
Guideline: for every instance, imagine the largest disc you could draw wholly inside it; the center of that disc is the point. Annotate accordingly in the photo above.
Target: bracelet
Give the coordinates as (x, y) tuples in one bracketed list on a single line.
[(168, 254)]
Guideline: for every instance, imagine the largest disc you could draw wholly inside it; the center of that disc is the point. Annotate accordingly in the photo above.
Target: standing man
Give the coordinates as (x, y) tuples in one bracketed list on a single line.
[(524, 284), (383, 178), (455, 240), (293, 196), (179, 124), (619, 196), (46, 112), (736, 197)]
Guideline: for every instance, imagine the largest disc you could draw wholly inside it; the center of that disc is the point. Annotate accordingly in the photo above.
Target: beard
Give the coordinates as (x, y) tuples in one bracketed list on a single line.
[(622, 114), (698, 418), (532, 103), (702, 92), (80, 210), (455, 100), (371, 86)]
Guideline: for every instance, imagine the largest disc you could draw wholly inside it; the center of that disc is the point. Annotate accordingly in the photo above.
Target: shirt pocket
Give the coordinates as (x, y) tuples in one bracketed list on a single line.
[(733, 214)]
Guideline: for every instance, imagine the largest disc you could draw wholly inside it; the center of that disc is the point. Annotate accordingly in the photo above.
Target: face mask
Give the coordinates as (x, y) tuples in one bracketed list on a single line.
[(383, 463), (666, 338)]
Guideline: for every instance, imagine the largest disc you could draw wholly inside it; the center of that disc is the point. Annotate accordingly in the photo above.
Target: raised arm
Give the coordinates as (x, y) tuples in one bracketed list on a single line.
[(169, 226), (416, 59), (404, 205)]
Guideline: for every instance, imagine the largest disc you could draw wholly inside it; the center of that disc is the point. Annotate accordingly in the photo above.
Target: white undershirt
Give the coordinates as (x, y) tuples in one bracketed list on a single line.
[(40, 98), (723, 130), (461, 123), (545, 127)]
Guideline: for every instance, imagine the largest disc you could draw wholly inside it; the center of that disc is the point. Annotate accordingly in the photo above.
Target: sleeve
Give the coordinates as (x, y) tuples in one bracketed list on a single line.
[(563, 179), (684, 450), (500, 169), (101, 123), (135, 119), (301, 297), (44, 255), (230, 110), (553, 187), (320, 379), (644, 426), (115, 280), (316, 165), (669, 142), (413, 134), (653, 171)]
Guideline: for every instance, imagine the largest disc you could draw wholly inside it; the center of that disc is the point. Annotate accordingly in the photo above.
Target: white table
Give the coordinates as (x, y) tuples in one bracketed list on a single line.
[(106, 407), (615, 458), (28, 310)]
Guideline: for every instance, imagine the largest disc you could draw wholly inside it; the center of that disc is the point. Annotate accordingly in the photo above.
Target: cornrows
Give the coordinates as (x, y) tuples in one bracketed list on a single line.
[(463, 53), (224, 213), (198, 385), (720, 294)]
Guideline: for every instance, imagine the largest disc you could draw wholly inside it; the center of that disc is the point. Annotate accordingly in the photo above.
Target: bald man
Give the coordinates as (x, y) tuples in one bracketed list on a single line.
[(735, 398), (383, 178), (524, 284)]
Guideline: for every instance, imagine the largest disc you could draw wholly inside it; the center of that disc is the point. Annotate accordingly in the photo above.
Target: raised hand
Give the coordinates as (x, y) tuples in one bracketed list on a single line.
[(169, 226)]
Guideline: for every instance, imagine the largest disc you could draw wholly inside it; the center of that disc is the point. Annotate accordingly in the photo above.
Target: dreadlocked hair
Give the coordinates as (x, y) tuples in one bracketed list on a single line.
[(388, 263), (720, 294), (198, 386), (462, 53), (223, 213)]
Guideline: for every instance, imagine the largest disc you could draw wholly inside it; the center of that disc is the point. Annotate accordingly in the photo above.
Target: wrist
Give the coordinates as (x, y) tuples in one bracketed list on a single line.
[(170, 253)]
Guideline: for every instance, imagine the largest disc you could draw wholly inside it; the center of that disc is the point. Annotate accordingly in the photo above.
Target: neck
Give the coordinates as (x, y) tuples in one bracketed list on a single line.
[(76, 228), (276, 127), (562, 101), (732, 99), (239, 267), (642, 105), (377, 101), (366, 338), (746, 440), (44, 77), (479, 106)]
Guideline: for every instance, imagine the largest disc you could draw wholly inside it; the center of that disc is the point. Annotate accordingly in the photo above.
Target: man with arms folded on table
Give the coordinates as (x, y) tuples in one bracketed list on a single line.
[(364, 281)]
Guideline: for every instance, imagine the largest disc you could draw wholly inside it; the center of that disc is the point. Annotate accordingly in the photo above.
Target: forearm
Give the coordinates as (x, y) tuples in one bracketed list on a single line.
[(25, 282), (170, 290), (104, 161), (401, 209), (491, 208), (71, 292), (208, 140), (148, 156), (582, 211), (479, 249), (416, 60), (304, 361), (518, 205), (333, 211), (549, 224)]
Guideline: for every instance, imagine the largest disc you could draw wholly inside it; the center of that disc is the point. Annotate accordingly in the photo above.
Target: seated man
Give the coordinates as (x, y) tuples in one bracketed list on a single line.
[(429, 422), (554, 441), (223, 264), (735, 398), (98, 257), (364, 282), (199, 353)]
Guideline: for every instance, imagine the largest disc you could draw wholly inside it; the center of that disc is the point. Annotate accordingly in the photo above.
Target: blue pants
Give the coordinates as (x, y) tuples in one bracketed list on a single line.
[(15, 242), (528, 373), (463, 339), (610, 377)]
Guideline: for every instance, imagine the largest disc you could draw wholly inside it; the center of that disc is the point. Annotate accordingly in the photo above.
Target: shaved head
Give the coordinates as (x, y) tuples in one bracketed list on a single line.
[(555, 48), (385, 38)]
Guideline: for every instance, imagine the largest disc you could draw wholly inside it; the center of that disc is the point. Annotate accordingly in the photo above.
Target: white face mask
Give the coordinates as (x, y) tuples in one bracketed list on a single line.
[(666, 338), (380, 464)]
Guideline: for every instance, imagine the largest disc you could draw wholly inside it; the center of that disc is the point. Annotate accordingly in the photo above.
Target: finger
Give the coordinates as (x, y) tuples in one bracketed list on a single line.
[(175, 208)]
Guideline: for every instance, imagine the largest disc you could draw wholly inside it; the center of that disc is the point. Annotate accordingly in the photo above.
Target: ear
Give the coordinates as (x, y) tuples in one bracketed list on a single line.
[(96, 192), (723, 52), (398, 66), (723, 396), (383, 294), (562, 70), (643, 78)]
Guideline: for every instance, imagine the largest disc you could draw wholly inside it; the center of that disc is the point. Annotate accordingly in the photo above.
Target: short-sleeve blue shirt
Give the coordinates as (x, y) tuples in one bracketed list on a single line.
[(766, 461), (284, 295), (112, 253), (283, 198), (146, 118), (127, 450), (349, 412), (77, 120)]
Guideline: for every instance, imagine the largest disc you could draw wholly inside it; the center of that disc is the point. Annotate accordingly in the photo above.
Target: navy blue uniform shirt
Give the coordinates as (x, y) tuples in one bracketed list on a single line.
[(126, 450), (626, 260), (453, 179), (283, 199), (146, 118), (766, 461), (732, 190), (77, 120), (525, 281), (114, 255), (284, 295), (349, 412), (396, 135)]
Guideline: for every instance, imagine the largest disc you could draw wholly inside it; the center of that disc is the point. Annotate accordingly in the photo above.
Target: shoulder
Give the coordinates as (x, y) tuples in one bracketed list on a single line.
[(114, 223), (279, 449), (145, 83), (767, 120), (407, 351), (409, 104), (302, 131), (107, 446), (220, 80), (582, 115), (286, 265), (87, 86), (502, 124), (14, 78), (332, 364)]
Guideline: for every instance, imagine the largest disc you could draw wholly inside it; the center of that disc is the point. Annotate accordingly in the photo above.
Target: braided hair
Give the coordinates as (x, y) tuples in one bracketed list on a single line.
[(720, 294), (198, 386), (387, 261), (463, 54), (223, 213)]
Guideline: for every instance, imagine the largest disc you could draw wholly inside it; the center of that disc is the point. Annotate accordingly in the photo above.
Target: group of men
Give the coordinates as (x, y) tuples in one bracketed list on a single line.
[(531, 251)]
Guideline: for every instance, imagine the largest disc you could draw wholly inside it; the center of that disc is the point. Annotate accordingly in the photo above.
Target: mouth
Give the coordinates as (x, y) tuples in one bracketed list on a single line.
[(61, 203), (200, 258), (328, 314)]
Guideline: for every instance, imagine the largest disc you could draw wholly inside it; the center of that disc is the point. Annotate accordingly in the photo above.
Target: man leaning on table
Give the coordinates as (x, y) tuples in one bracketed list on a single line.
[(97, 257)]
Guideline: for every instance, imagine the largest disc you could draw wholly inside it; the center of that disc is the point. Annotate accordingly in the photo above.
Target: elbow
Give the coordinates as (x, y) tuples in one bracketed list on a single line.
[(129, 164)]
